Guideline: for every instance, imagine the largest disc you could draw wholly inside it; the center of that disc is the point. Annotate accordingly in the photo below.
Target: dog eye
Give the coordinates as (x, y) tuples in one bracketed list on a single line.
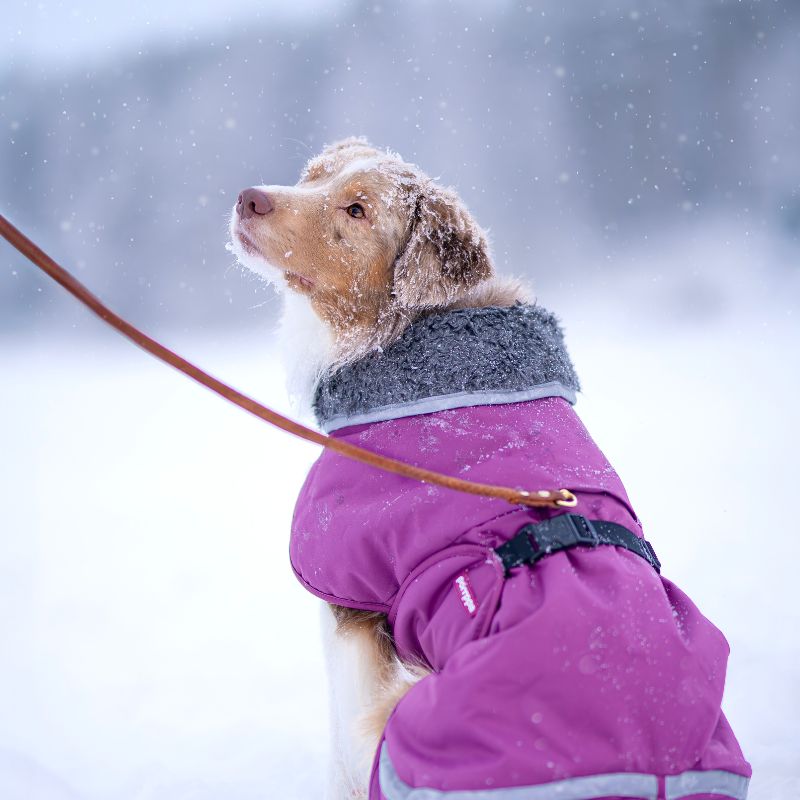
[(356, 210)]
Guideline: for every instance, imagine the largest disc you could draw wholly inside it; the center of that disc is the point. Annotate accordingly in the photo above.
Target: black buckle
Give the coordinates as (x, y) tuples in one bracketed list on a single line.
[(569, 530), (537, 540)]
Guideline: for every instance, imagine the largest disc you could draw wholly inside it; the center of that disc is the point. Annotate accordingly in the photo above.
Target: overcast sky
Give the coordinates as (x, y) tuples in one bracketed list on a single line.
[(61, 30)]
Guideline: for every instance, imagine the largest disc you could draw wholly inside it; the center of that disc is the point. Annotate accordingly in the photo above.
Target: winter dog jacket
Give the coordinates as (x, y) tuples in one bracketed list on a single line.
[(585, 676)]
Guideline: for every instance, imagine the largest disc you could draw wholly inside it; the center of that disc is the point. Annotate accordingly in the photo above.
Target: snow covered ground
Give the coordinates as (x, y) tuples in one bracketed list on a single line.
[(154, 642)]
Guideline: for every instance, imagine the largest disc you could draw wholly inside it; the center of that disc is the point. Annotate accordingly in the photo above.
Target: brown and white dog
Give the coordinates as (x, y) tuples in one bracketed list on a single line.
[(369, 244)]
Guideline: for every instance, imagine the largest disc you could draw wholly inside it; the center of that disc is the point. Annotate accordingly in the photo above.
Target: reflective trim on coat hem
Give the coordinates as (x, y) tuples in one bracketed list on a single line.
[(713, 781), (636, 785), (620, 784)]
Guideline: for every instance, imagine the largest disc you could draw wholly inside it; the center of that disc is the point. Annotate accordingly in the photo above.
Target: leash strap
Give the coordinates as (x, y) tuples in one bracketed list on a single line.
[(549, 498), (537, 540)]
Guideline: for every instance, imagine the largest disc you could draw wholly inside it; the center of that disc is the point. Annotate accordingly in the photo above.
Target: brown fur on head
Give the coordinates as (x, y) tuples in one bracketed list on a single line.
[(372, 242)]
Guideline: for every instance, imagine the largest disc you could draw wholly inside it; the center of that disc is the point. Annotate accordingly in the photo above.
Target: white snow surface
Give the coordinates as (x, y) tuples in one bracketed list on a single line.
[(155, 643)]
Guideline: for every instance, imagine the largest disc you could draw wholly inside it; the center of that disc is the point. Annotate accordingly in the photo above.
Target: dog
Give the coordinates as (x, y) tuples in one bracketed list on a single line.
[(463, 661)]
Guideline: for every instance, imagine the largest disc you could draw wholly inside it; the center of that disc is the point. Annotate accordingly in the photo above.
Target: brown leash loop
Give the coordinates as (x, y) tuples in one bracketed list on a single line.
[(544, 498)]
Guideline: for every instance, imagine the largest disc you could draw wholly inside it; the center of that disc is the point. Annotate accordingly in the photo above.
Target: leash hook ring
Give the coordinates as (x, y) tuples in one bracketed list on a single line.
[(567, 499)]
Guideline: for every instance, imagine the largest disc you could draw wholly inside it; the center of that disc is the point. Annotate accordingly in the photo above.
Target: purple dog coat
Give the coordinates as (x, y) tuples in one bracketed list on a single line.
[(586, 676)]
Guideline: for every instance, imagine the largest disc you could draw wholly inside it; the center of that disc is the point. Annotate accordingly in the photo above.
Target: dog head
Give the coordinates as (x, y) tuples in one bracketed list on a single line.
[(368, 239)]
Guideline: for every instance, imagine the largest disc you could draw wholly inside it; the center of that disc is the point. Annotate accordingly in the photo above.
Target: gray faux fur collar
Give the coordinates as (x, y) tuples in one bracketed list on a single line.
[(467, 357)]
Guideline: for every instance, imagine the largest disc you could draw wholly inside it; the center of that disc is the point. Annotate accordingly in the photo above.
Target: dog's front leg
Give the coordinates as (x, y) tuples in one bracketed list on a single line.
[(360, 663)]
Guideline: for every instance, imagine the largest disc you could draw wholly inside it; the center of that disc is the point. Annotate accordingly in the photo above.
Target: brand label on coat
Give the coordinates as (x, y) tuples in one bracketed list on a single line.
[(465, 594)]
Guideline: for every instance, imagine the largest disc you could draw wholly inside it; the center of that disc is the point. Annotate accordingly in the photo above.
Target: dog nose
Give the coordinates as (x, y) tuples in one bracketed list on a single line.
[(252, 202)]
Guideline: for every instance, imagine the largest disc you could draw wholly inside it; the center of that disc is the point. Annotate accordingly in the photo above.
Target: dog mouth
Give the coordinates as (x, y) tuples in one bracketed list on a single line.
[(298, 280), (293, 279), (247, 243)]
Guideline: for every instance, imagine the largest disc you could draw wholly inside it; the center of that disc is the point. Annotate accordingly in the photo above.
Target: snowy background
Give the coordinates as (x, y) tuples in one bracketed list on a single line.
[(639, 163)]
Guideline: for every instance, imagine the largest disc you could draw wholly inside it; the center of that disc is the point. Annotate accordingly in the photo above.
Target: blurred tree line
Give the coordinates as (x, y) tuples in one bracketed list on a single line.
[(573, 130)]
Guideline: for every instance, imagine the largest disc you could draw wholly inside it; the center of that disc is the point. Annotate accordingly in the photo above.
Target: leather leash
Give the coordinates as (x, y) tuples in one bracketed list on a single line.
[(542, 498)]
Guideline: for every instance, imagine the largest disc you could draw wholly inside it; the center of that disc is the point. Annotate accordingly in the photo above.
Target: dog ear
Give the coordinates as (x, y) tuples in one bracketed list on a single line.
[(445, 253)]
